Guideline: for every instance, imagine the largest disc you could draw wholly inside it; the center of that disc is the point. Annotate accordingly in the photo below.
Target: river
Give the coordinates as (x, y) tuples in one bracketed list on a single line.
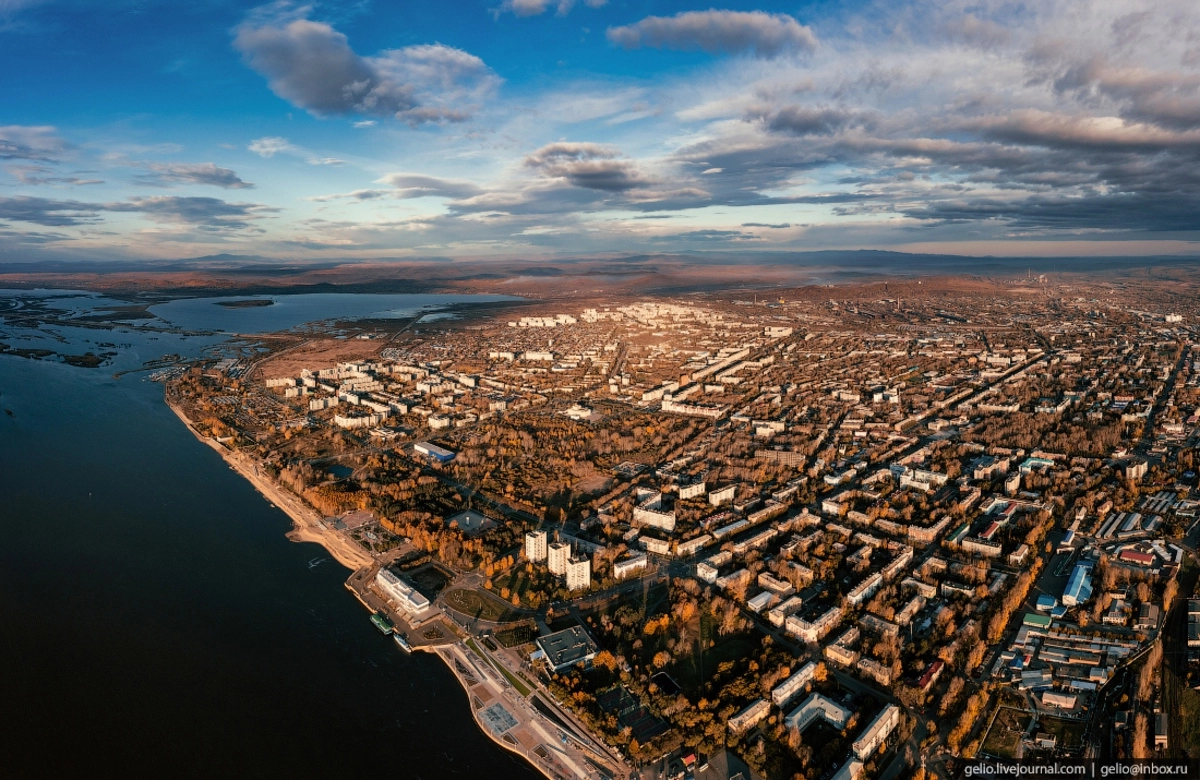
[(154, 621)]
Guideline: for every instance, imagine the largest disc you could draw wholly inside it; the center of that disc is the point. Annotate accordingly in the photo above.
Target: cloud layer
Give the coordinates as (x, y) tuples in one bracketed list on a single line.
[(207, 214), (942, 124)]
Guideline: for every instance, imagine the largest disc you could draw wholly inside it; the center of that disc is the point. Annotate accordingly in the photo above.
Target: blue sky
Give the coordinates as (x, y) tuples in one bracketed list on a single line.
[(519, 128)]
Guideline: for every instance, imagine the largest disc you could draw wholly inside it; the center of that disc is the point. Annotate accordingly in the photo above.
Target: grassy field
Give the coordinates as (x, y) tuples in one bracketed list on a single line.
[(474, 604), (517, 580), (516, 682), (1005, 734)]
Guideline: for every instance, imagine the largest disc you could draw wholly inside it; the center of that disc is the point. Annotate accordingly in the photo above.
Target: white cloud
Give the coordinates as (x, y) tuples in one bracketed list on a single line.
[(538, 7), (270, 146), (24, 142), (273, 145)]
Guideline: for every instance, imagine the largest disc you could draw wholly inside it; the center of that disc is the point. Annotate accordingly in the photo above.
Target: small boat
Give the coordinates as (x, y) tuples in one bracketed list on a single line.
[(382, 623), (402, 642)]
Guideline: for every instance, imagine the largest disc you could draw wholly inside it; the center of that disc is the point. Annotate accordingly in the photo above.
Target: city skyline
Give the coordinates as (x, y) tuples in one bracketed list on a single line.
[(528, 128)]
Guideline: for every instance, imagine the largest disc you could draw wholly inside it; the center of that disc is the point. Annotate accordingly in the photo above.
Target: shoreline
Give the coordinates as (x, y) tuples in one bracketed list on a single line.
[(552, 765), (307, 525), (444, 657)]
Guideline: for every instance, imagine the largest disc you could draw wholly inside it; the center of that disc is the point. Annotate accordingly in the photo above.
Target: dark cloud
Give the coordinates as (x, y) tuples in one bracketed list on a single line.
[(587, 165), (51, 213), (31, 237), (206, 213), (312, 66), (194, 173), (1126, 212), (718, 32), (808, 120), (354, 195), (37, 175), (415, 185), (707, 236)]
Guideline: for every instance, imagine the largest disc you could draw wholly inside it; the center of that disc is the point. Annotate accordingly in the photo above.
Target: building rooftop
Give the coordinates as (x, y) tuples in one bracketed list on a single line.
[(564, 649)]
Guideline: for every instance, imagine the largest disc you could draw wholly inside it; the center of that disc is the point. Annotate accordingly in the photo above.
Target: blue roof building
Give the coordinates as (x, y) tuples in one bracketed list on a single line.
[(1079, 585)]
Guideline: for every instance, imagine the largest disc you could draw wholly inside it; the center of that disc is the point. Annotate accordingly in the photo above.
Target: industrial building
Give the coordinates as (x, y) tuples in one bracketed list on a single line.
[(440, 454)]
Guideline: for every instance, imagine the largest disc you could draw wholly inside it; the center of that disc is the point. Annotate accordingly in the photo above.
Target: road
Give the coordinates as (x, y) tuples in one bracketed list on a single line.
[(1147, 440)]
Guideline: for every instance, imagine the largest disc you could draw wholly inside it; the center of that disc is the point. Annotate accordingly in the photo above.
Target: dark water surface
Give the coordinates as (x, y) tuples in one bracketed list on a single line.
[(154, 621), (288, 311)]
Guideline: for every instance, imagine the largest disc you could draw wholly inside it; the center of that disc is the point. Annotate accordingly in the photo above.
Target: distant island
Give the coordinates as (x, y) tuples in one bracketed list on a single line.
[(251, 304)]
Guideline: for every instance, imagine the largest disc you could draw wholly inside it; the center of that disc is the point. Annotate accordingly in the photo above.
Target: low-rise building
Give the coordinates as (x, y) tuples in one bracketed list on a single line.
[(783, 692), (564, 649), (629, 565), (406, 598), (750, 716), (818, 706), (875, 734)]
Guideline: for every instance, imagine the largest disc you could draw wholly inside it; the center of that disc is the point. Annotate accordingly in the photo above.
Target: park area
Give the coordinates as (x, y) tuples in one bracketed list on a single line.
[(480, 606)]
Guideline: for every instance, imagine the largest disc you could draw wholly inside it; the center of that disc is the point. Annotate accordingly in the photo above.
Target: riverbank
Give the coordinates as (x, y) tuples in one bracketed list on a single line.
[(307, 524), (514, 724), (510, 720)]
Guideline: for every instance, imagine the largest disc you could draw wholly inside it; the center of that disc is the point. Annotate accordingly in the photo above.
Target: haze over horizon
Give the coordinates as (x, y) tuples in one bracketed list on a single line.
[(510, 128)]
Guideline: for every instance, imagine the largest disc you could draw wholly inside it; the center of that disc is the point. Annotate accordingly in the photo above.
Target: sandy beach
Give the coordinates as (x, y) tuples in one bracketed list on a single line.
[(307, 524)]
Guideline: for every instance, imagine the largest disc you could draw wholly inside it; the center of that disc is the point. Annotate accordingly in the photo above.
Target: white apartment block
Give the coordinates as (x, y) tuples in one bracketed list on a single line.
[(559, 555), (579, 573), (535, 546)]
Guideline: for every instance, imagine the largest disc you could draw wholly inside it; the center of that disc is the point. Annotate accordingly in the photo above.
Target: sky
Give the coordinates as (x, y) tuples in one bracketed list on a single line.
[(379, 129)]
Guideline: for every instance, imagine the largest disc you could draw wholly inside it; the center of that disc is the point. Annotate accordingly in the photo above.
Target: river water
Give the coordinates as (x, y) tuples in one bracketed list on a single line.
[(154, 621), (288, 311)]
